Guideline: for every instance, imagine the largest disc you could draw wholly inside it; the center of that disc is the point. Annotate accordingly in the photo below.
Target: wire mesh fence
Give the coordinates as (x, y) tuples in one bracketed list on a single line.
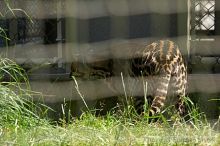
[(59, 32)]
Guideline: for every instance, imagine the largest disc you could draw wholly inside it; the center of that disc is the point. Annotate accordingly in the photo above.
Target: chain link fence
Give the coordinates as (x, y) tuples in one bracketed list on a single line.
[(46, 36)]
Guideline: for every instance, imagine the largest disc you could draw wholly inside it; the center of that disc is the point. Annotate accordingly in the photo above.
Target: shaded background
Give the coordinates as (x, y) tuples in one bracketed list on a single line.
[(83, 31)]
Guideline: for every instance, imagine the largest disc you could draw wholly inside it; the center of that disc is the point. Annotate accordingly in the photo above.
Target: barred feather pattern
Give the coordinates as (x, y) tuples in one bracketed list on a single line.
[(161, 59), (164, 60)]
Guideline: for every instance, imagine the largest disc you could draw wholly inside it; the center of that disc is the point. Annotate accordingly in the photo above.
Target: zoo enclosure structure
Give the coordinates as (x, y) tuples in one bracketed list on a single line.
[(64, 31)]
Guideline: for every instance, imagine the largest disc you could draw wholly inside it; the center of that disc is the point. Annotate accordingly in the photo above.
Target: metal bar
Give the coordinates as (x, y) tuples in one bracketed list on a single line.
[(188, 27), (59, 33)]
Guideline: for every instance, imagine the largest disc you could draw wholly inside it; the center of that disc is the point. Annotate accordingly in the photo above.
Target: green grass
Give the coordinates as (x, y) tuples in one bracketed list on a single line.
[(109, 130), (16, 103), (22, 122), (25, 123)]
